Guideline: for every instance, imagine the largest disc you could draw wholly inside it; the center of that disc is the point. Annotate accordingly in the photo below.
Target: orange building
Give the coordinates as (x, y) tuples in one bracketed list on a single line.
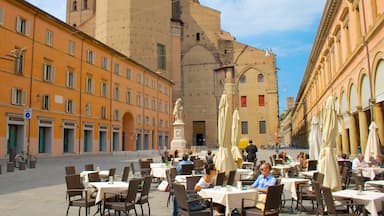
[(83, 96)]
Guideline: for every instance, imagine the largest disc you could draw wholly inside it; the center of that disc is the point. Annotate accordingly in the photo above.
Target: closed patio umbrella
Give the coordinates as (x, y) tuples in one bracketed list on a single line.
[(327, 158), (223, 159), (235, 137), (314, 139), (373, 148)]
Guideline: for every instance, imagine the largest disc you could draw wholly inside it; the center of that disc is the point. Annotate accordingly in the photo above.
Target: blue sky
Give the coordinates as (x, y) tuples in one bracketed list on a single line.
[(288, 27)]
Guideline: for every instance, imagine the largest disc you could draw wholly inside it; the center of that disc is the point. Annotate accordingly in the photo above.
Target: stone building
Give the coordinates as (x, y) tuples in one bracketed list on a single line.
[(83, 96), (183, 41), (347, 62)]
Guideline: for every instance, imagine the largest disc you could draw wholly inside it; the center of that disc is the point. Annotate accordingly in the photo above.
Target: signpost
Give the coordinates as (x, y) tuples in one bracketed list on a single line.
[(27, 113), (28, 116)]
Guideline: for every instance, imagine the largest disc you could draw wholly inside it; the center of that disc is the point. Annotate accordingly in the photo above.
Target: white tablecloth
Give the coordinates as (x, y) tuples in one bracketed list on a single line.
[(158, 170), (370, 172), (308, 174), (228, 196), (370, 199), (290, 186), (102, 174), (106, 187)]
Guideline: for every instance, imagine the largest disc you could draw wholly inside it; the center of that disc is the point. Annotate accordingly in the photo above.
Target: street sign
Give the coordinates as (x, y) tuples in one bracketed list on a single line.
[(27, 113)]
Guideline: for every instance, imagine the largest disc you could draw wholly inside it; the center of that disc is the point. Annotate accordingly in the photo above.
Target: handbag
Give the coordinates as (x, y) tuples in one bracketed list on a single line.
[(163, 186)]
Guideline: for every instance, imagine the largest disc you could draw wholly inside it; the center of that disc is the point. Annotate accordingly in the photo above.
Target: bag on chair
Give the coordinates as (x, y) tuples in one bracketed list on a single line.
[(163, 186)]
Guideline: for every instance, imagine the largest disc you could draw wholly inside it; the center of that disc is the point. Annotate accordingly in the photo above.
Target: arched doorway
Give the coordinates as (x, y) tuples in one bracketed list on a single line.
[(129, 137)]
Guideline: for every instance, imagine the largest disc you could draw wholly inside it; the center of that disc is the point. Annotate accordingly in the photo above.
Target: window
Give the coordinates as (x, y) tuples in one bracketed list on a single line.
[(103, 112), (116, 93), (85, 4), (146, 81), (128, 97), (243, 79), (243, 101), (1, 16), (48, 38), (161, 123), (166, 107), (90, 57), (146, 102), (19, 63), (138, 119), (71, 48), (160, 106), (89, 85), (129, 74), (166, 90), (138, 100), (260, 78), (88, 109), (244, 127), (74, 5), (161, 57), (45, 102), (198, 36), (49, 72), (103, 89), (22, 25), (138, 79), (18, 96), (262, 127), (116, 115), (104, 63), (261, 100), (147, 120), (117, 69), (70, 83), (153, 84), (69, 106), (153, 104), (160, 88)]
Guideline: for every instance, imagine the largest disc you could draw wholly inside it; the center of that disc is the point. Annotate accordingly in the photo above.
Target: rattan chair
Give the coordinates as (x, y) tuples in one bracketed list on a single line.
[(125, 176), (272, 203), (312, 165), (127, 203), (77, 195), (186, 207), (198, 166), (111, 173), (231, 177), (144, 195), (94, 177), (171, 175), (186, 169), (89, 167), (70, 170), (145, 168), (220, 179), (332, 209), (191, 182)]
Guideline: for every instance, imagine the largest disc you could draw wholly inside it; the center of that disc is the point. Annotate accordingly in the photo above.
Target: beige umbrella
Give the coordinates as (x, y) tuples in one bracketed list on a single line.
[(327, 158), (314, 139), (235, 137), (223, 159), (373, 148)]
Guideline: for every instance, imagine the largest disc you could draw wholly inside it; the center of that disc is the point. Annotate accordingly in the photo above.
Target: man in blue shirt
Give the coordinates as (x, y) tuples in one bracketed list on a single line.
[(264, 180), (184, 161)]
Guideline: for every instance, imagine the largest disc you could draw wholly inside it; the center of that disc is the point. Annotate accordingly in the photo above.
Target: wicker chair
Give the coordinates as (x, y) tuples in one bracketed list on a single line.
[(312, 165), (125, 176), (89, 167), (94, 177), (171, 175), (332, 209), (185, 207), (186, 169), (70, 170), (128, 202), (77, 195), (111, 173), (144, 195), (231, 177), (191, 182), (145, 168), (272, 203), (220, 179)]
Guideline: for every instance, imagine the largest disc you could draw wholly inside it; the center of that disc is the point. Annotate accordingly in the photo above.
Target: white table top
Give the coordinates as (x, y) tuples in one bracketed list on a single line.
[(370, 172), (102, 173), (106, 187), (370, 199), (290, 186)]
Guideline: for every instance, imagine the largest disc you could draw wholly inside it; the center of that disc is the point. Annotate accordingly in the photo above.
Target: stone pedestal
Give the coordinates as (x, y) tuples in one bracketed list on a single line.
[(178, 141)]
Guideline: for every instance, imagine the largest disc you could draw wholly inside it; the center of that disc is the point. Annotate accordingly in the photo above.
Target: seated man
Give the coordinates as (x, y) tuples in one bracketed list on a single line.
[(358, 162), (265, 179), (184, 161)]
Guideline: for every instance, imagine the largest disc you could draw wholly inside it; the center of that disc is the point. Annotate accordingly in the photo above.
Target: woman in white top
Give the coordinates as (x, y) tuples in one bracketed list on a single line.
[(208, 180)]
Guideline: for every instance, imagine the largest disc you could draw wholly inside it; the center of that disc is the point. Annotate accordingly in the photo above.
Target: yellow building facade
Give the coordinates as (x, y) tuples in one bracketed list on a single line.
[(81, 95), (347, 62), (183, 41)]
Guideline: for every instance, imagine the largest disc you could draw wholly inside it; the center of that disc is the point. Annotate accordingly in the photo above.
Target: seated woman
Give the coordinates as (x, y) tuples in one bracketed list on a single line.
[(283, 156), (301, 158), (208, 180)]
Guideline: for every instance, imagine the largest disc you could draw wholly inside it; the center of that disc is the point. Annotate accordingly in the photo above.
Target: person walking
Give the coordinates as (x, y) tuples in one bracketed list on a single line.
[(251, 151)]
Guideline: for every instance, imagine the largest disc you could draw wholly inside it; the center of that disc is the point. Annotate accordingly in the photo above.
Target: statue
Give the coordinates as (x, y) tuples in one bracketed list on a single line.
[(178, 111)]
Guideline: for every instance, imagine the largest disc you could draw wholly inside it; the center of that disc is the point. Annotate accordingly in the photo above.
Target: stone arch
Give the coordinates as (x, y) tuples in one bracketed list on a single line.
[(379, 78), (343, 102), (352, 98), (364, 90), (129, 135)]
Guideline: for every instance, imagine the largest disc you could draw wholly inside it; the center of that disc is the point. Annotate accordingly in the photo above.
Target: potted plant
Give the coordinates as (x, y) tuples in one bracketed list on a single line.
[(32, 161)]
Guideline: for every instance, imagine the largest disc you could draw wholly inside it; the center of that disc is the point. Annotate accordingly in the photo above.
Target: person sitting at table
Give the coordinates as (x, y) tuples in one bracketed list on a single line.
[(358, 162), (265, 179), (184, 161), (378, 161), (284, 158), (303, 162), (208, 180)]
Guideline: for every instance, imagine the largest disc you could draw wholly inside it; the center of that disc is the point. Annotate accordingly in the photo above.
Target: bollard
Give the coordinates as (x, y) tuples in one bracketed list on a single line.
[(21, 165), (1, 168), (32, 164), (10, 166)]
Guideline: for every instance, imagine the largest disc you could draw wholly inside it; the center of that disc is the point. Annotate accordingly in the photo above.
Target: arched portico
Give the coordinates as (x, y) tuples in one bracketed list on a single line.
[(129, 137)]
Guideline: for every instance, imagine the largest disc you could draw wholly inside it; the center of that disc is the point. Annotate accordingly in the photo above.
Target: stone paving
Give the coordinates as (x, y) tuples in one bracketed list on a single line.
[(41, 191)]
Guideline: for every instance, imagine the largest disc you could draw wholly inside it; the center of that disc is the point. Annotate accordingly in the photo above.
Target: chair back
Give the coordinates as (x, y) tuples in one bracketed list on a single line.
[(145, 164), (328, 198), (320, 178), (186, 169), (70, 170), (272, 160), (198, 164), (150, 160), (133, 167), (359, 182), (94, 177), (191, 182), (132, 190), (220, 179), (278, 161), (231, 177), (125, 176), (89, 167), (112, 172), (181, 196), (146, 187), (319, 199), (344, 177), (273, 200), (312, 165), (74, 182)]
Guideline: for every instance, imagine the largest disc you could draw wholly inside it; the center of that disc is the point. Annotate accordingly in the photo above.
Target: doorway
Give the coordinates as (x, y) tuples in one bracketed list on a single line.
[(199, 133)]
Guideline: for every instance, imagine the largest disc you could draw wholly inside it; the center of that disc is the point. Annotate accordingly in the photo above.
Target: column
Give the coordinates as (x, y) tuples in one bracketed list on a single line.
[(363, 127), (353, 135), (344, 138), (378, 116), (339, 148)]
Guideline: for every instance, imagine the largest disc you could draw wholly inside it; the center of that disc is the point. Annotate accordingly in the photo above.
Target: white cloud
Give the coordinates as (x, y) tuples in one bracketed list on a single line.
[(253, 17), (56, 8)]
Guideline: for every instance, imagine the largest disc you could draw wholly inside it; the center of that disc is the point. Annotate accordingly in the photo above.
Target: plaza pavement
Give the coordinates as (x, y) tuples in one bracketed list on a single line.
[(41, 191)]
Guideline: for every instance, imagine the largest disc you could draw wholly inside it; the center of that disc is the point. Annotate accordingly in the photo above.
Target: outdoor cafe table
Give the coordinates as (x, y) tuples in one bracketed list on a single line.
[(228, 196), (371, 200), (247, 165), (107, 187), (243, 174), (284, 167), (290, 185), (308, 174), (102, 173), (182, 179), (377, 184), (370, 172), (158, 170)]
